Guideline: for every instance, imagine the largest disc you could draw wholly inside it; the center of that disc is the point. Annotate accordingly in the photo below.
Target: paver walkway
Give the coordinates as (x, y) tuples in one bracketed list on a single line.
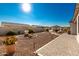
[(64, 45)]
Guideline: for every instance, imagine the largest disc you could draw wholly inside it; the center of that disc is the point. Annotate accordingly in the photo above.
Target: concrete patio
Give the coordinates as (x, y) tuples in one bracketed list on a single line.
[(64, 45)]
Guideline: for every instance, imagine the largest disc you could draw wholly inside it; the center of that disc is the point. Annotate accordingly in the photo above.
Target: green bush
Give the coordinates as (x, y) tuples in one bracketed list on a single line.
[(30, 31), (10, 33)]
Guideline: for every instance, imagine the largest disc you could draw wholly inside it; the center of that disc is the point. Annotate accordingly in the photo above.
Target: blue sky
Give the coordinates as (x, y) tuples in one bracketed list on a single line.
[(41, 13)]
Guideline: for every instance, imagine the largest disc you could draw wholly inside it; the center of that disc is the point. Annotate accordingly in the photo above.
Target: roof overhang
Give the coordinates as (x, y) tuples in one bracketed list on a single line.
[(75, 14)]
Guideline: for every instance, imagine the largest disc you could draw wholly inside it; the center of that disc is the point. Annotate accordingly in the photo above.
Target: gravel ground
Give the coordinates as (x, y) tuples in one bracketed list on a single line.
[(26, 46)]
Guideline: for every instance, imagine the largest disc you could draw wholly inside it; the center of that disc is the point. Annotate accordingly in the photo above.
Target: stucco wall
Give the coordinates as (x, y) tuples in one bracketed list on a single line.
[(73, 28), (4, 30)]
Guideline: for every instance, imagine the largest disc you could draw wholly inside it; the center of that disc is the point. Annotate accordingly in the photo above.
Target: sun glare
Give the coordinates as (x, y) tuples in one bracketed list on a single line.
[(26, 7)]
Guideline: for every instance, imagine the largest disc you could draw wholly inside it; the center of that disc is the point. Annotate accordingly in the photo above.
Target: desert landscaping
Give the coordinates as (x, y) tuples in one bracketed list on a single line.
[(33, 31), (26, 46)]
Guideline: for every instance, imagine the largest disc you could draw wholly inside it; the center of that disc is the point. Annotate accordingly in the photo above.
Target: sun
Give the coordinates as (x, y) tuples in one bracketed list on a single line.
[(26, 7)]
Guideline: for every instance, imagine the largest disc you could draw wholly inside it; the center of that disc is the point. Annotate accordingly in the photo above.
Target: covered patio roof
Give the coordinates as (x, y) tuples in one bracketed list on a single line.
[(75, 13)]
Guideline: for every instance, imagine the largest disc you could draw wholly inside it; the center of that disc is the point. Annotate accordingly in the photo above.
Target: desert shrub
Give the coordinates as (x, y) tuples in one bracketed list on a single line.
[(19, 32), (65, 30), (30, 31), (26, 35), (30, 36), (10, 40), (47, 30), (10, 33), (56, 30), (69, 32)]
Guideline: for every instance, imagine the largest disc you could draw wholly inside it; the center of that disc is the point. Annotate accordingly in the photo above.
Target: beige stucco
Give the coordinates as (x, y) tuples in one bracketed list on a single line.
[(73, 28), (74, 24), (15, 27)]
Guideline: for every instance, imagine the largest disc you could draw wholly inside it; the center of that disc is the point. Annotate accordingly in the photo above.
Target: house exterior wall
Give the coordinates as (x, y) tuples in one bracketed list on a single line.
[(4, 30), (6, 27), (74, 25), (73, 28), (78, 23), (15, 27)]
